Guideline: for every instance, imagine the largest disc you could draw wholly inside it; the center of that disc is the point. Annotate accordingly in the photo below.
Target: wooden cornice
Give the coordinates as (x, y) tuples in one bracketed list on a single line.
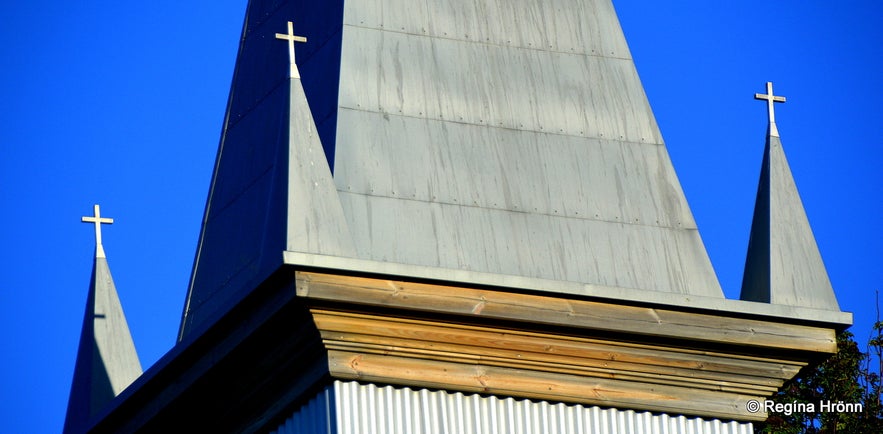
[(488, 340)]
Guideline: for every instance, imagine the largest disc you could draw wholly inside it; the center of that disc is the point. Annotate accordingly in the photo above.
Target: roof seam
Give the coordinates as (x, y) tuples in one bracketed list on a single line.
[(502, 127), (475, 41), (566, 216)]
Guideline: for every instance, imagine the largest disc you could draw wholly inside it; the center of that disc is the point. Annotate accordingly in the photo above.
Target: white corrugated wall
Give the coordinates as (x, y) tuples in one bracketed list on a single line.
[(354, 408)]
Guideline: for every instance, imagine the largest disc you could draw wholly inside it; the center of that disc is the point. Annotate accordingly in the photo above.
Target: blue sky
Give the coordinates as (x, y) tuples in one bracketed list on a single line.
[(121, 104)]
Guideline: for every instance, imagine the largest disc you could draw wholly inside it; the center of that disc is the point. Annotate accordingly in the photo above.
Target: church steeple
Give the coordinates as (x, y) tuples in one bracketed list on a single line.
[(285, 200), (106, 359), (783, 265)]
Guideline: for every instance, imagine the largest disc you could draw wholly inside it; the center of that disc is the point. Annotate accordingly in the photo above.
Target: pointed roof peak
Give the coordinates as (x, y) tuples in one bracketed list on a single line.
[(783, 264), (298, 204), (107, 362)]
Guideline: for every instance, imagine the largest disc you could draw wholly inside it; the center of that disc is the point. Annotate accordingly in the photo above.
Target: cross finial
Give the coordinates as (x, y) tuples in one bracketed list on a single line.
[(291, 38), (98, 220), (770, 99)]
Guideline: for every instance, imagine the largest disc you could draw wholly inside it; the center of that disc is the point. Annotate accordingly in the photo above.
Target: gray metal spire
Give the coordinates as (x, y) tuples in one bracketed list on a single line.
[(518, 147), (783, 265), (106, 359), (272, 189)]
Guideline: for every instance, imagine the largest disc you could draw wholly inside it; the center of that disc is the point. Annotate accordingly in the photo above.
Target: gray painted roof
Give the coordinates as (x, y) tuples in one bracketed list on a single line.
[(106, 359), (499, 137), (783, 265), (509, 137)]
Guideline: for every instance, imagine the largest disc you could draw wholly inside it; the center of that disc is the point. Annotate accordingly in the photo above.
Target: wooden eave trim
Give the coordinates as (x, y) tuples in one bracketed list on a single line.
[(433, 340), (649, 322), (551, 386)]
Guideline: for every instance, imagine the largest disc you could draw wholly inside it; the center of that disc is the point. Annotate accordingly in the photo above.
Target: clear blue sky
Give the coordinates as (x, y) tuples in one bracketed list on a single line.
[(121, 103)]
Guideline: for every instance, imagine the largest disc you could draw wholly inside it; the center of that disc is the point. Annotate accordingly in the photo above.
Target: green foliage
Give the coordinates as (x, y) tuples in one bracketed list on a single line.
[(844, 377)]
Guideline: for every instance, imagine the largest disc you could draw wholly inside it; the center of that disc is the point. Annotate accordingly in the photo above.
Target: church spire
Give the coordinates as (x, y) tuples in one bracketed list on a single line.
[(290, 204), (106, 359), (783, 265)]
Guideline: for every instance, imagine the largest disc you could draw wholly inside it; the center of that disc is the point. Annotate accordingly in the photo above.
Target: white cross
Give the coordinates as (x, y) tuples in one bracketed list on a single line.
[(291, 38), (770, 99), (98, 220)]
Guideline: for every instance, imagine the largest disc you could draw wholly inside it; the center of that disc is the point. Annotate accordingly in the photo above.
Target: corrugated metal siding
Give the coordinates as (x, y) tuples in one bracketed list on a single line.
[(368, 409), (314, 417)]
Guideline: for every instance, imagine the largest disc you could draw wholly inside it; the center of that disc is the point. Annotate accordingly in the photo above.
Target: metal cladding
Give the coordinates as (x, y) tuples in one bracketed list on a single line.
[(271, 190), (783, 265), (351, 407), (106, 359), (511, 138)]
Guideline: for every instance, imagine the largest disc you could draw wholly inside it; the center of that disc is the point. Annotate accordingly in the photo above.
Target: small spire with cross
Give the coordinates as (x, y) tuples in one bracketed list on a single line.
[(770, 99), (98, 220), (291, 38)]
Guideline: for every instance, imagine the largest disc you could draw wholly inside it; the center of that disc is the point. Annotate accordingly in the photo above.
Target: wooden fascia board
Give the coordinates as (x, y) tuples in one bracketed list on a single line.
[(650, 322), (538, 385)]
